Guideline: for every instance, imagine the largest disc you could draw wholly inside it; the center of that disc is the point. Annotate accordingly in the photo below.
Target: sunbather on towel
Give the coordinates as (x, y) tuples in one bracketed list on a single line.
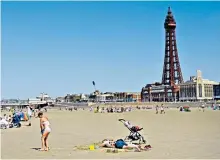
[(109, 143), (121, 144), (3, 123)]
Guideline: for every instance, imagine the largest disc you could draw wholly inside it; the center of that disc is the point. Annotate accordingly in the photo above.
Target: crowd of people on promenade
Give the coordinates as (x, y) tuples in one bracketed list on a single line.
[(215, 107), (159, 109), (118, 109), (106, 108), (110, 109)]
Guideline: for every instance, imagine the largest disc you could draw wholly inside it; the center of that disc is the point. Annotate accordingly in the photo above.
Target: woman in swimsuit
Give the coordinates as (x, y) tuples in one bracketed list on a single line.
[(45, 131)]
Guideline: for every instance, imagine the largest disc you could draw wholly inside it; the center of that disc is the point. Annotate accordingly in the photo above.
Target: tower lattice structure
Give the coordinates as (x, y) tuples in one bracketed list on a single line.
[(172, 74)]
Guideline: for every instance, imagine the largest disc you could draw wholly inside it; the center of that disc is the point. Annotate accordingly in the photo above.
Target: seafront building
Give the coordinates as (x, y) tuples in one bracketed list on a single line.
[(116, 97), (197, 89), (98, 96), (74, 98), (42, 99), (106, 97), (60, 99), (216, 90), (127, 96), (157, 92)]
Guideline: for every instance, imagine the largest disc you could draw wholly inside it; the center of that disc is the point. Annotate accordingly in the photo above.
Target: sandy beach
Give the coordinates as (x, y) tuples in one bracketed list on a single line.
[(172, 135)]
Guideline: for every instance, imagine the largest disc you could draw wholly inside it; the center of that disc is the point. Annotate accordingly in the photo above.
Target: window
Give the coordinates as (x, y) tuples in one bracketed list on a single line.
[(200, 90)]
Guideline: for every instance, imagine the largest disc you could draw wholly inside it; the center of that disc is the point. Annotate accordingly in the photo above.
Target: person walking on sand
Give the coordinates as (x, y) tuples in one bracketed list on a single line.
[(157, 107), (29, 112), (203, 107), (162, 109), (45, 131)]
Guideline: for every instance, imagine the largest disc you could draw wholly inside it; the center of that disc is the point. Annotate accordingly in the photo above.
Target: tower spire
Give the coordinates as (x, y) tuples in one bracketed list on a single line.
[(169, 10), (172, 74), (169, 21)]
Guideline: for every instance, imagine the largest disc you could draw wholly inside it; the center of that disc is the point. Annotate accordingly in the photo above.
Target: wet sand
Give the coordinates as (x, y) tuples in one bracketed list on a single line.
[(172, 135)]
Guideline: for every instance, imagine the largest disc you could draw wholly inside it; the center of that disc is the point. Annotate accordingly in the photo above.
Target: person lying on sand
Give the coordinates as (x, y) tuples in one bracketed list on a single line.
[(121, 144), (109, 143), (3, 123)]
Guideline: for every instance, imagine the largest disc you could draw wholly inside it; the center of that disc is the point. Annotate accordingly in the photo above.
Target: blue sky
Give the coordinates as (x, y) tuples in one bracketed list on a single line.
[(61, 47)]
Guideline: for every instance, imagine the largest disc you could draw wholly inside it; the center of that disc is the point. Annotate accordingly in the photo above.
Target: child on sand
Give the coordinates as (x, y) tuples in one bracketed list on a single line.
[(162, 109)]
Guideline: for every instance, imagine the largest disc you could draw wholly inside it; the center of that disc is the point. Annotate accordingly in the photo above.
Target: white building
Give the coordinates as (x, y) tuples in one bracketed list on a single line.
[(197, 89), (60, 99), (41, 99), (104, 97)]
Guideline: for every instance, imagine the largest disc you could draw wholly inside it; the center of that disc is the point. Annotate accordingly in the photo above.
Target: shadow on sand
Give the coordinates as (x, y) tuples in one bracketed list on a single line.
[(36, 149)]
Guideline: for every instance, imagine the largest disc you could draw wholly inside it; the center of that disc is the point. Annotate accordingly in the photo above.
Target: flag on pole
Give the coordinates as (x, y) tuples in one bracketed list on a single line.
[(93, 82)]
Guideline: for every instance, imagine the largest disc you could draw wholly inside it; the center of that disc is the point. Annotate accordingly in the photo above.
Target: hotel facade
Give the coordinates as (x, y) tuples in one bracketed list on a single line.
[(158, 92), (197, 89)]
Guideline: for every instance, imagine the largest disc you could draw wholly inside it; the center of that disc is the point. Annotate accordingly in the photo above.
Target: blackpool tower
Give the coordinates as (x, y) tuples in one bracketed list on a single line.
[(168, 89), (172, 74)]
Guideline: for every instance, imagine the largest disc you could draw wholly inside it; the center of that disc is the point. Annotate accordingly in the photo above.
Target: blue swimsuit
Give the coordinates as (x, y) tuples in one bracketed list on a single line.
[(120, 144)]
